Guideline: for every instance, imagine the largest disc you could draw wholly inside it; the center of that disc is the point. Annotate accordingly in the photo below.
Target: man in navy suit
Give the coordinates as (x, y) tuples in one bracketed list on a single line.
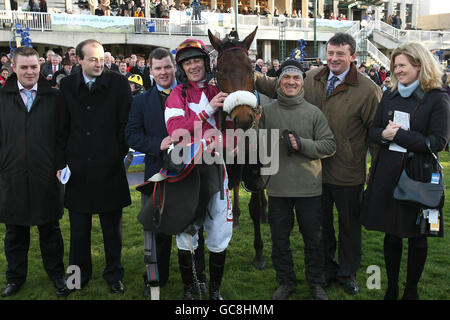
[(146, 132)]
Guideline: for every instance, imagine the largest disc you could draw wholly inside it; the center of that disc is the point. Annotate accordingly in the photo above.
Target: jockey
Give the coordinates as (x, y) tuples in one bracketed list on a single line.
[(191, 104)]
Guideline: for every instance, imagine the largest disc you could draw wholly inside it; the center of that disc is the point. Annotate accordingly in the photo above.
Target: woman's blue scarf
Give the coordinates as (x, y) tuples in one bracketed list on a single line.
[(405, 92)]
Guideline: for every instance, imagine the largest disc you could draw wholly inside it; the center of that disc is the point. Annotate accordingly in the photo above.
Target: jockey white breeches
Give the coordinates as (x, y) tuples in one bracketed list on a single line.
[(218, 224)]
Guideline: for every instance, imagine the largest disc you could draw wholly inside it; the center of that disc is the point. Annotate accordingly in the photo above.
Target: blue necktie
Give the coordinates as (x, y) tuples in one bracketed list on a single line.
[(29, 94), (331, 85)]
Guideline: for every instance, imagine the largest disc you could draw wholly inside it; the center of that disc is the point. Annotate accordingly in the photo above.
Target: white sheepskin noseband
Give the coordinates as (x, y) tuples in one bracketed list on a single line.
[(239, 98)]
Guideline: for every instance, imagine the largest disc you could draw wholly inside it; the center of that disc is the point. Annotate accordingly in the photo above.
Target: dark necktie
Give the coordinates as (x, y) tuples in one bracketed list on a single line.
[(331, 85)]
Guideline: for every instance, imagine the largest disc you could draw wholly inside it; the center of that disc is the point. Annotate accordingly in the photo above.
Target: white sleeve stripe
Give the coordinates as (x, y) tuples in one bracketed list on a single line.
[(173, 112)]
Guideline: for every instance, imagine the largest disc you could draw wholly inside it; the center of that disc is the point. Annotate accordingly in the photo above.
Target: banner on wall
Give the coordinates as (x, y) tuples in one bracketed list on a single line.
[(91, 23)]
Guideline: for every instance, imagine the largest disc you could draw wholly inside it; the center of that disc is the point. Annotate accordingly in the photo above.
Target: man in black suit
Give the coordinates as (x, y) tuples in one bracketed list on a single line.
[(49, 70), (95, 103), (109, 64), (29, 192)]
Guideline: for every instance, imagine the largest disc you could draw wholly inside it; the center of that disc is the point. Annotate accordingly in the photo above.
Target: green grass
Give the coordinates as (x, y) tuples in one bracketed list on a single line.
[(241, 280)]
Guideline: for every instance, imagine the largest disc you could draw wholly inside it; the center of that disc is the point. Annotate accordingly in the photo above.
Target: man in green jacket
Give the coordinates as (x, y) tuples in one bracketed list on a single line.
[(305, 139), (349, 101)]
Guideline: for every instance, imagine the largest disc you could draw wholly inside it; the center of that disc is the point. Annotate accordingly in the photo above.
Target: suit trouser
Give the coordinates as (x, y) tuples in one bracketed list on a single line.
[(348, 205), (17, 243), (281, 220), (80, 244)]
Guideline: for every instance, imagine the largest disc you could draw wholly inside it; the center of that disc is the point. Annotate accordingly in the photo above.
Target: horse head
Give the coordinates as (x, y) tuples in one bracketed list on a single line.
[(235, 76)]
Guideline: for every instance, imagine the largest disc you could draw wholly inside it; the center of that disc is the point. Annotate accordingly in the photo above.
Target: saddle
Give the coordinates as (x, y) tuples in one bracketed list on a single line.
[(178, 195)]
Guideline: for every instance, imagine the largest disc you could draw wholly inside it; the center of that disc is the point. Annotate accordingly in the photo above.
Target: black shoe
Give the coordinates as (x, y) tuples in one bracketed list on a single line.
[(214, 292), (410, 293), (351, 287), (117, 287), (391, 293), (11, 289), (283, 292), (61, 287), (318, 293)]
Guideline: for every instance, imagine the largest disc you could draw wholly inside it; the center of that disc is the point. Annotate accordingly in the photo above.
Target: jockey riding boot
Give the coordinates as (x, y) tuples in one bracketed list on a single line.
[(392, 257), (185, 262), (200, 268), (216, 267), (417, 255)]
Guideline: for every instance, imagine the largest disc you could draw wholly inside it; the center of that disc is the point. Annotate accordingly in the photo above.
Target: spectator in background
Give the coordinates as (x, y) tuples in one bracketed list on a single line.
[(139, 13), (143, 71), (99, 11), (49, 70), (4, 59), (275, 66), (33, 6), (123, 69), (65, 70), (382, 74), (259, 64), (386, 84), (153, 8), (133, 60), (3, 76), (109, 65), (264, 69), (397, 21), (374, 76), (105, 5), (197, 10), (13, 4), (42, 6)]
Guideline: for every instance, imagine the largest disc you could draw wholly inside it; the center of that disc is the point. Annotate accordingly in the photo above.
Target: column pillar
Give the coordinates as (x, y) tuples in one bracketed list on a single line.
[(403, 13), (304, 9), (335, 8), (319, 8), (267, 50)]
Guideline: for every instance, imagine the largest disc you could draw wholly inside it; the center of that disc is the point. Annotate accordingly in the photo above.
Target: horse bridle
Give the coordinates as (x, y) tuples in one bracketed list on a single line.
[(219, 86)]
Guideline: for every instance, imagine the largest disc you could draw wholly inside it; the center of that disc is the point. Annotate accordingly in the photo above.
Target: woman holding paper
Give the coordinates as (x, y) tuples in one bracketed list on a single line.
[(413, 110)]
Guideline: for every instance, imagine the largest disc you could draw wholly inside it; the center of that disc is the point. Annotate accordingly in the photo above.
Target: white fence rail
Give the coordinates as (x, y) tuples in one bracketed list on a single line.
[(33, 20)]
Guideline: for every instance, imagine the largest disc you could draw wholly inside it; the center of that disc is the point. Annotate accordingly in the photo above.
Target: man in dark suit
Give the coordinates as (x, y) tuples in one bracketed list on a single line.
[(95, 103), (109, 64), (48, 70), (65, 70), (29, 192)]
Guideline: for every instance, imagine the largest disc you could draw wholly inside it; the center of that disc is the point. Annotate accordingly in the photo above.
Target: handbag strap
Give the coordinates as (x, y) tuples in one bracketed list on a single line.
[(428, 143)]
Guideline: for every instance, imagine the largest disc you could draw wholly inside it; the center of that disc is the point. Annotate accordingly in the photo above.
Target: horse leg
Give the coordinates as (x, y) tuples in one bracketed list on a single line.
[(264, 216), (256, 208), (236, 208)]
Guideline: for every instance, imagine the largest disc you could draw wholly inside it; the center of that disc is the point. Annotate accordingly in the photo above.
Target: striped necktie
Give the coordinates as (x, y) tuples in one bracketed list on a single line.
[(331, 85), (29, 94)]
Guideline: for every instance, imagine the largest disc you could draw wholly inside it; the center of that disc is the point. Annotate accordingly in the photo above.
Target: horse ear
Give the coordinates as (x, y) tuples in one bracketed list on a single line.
[(249, 39), (215, 42)]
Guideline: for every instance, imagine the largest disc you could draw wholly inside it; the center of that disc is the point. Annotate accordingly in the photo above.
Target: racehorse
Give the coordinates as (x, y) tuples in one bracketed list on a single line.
[(235, 76)]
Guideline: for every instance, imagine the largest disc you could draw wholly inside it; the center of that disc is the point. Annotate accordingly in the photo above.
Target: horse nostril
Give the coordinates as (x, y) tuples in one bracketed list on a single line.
[(252, 119), (236, 122)]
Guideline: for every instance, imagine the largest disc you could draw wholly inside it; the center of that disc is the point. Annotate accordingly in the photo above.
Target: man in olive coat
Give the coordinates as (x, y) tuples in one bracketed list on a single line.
[(96, 105), (30, 194), (349, 101)]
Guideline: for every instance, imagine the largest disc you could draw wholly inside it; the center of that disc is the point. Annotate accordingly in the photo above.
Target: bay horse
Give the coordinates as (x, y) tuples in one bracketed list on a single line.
[(234, 75)]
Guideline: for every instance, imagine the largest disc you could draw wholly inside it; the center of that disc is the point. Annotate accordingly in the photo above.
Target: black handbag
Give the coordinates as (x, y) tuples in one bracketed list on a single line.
[(421, 194)]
